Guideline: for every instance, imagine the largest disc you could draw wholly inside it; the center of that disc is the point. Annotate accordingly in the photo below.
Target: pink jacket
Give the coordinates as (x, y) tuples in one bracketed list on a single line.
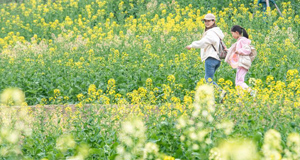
[(242, 60), (239, 46)]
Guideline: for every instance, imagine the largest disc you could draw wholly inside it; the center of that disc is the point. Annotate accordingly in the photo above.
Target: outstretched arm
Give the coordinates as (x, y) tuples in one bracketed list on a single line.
[(208, 39)]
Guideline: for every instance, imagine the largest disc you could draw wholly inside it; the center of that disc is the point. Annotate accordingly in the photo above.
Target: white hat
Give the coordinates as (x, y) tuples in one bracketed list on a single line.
[(209, 16)]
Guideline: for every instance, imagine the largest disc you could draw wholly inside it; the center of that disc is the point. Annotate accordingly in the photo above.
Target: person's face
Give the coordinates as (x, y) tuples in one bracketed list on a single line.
[(235, 34), (209, 23)]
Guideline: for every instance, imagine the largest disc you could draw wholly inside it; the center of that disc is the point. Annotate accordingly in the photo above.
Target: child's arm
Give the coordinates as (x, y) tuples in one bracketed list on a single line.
[(244, 49)]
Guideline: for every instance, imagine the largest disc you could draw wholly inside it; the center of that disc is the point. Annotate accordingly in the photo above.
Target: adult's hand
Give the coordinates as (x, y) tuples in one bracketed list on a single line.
[(188, 47)]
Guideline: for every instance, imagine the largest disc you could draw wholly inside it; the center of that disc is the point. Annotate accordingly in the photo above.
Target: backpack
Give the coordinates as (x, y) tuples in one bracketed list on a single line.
[(221, 50), (253, 53)]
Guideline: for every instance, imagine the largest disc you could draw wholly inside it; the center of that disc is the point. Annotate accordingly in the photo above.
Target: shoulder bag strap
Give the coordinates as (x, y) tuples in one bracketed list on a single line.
[(219, 38)]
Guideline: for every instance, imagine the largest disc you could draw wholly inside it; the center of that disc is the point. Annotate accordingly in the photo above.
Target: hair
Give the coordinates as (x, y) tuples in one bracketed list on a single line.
[(240, 29), (214, 25)]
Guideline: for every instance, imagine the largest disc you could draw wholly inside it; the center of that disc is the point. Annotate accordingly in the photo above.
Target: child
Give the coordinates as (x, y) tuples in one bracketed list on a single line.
[(239, 55)]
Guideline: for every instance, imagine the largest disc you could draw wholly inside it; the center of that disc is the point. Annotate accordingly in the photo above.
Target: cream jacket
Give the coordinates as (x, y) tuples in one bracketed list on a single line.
[(209, 38)]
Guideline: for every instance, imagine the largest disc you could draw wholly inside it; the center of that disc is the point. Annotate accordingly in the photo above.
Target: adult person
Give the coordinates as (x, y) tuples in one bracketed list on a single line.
[(208, 43)]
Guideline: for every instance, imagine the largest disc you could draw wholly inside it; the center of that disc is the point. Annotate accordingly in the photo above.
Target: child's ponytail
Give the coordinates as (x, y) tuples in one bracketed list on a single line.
[(240, 29)]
